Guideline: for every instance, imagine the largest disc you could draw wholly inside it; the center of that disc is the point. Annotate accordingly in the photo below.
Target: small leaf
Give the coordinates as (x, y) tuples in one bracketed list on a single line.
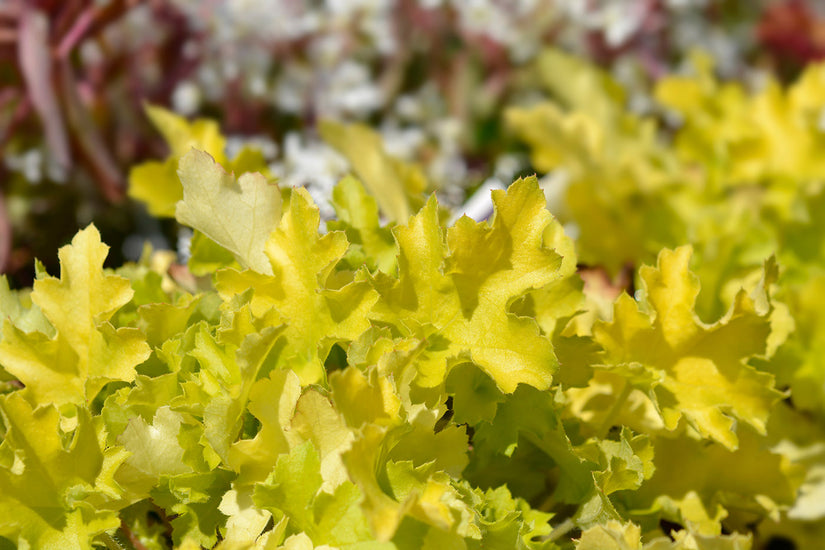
[(391, 181)]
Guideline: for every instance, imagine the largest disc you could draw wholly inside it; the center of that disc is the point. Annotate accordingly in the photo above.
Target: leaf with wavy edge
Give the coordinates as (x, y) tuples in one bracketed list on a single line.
[(238, 214), (697, 371), (456, 299), (87, 351)]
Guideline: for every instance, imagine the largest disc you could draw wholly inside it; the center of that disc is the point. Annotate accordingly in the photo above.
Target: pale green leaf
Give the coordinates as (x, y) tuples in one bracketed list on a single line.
[(238, 214)]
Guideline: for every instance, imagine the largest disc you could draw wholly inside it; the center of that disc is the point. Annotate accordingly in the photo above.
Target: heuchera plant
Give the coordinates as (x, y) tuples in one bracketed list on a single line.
[(383, 387)]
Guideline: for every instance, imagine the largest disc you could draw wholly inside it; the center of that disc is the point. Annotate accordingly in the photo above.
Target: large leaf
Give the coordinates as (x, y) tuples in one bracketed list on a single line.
[(87, 352), (42, 492), (458, 303), (316, 315), (694, 371)]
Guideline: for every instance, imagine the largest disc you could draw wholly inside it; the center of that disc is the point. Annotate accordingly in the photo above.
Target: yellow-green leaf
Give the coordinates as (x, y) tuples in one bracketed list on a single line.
[(697, 372), (87, 351), (302, 260), (391, 181), (238, 214), (456, 300)]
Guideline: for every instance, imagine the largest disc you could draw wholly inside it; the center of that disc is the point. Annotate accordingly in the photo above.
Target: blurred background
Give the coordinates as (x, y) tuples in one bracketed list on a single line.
[(432, 77)]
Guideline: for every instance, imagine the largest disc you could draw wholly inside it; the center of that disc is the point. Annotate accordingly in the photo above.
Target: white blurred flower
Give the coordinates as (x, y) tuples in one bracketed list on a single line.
[(183, 245), (485, 17), (685, 4), (325, 50), (186, 99), (291, 90), (448, 168), (264, 144), (409, 107), (256, 84), (310, 164), (349, 89), (91, 53), (402, 142), (518, 25), (508, 165), (617, 19), (29, 163), (275, 20)]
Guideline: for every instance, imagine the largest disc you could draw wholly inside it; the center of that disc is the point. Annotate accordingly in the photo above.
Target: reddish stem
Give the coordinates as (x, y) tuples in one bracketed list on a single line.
[(76, 33), (108, 176), (5, 236)]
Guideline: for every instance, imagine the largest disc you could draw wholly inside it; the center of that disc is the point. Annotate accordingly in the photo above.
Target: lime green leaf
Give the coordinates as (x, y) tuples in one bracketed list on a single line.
[(156, 451), (475, 395), (316, 420), (272, 400), (364, 400), (156, 183), (17, 307), (437, 299), (293, 488), (392, 182), (579, 84), (150, 280), (506, 259), (623, 465), (800, 363), (362, 462), (615, 180), (223, 414), (531, 416), (430, 497), (246, 521), (507, 522), (182, 136), (302, 260), (194, 499), (83, 291), (87, 352), (143, 399), (611, 536), (237, 214), (697, 371), (685, 540), (615, 535), (370, 243), (751, 478), (141, 520), (42, 491), (162, 321), (741, 138), (445, 450), (206, 256)]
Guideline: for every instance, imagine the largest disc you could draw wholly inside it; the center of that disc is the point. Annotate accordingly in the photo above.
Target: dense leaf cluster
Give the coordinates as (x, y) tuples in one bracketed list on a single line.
[(415, 386)]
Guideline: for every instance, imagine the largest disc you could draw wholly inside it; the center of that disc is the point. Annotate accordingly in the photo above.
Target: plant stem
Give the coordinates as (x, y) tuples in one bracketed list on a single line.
[(5, 236), (91, 144), (607, 422), (562, 529), (111, 542)]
